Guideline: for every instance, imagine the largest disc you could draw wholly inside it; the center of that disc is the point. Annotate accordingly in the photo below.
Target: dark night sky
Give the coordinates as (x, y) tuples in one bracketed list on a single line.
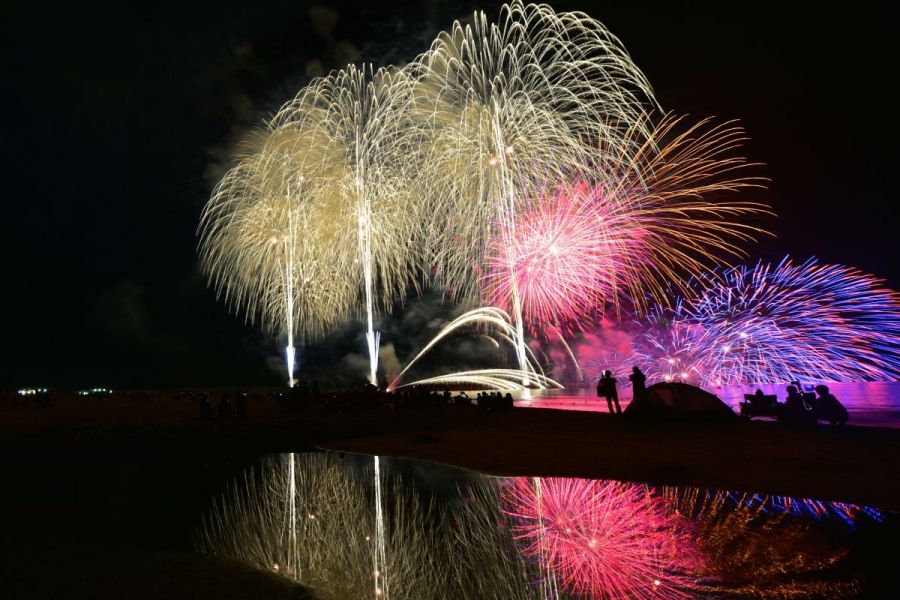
[(118, 117)]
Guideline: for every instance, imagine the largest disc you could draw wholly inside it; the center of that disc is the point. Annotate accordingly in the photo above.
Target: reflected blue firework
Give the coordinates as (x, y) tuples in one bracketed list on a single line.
[(818, 509), (778, 323)]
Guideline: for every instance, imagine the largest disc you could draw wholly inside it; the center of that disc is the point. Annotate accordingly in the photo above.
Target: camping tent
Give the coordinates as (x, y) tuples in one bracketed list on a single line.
[(679, 401)]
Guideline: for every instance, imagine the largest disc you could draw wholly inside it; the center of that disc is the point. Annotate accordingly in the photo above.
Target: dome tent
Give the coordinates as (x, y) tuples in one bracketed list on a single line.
[(679, 401)]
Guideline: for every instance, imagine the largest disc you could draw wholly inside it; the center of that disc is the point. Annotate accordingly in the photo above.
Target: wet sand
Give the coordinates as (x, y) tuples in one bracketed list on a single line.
[(852, 464)]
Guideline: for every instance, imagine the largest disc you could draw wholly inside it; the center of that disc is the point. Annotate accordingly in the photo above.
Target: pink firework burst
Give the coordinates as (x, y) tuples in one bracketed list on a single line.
[(603, 539), (557, 256), (622, 230)]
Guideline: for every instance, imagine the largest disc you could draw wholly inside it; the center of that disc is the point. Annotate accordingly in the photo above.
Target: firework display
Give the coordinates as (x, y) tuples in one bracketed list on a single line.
[(511, 105), (319, 225), (604, 539), (776, 323), (759, 546), (522, 163), (504, 379), (624, 235), (309, 517)]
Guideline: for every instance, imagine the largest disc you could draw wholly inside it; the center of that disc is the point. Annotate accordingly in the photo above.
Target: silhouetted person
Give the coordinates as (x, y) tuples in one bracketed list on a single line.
[(638, 383), (830, 408), (759, 399), (795, 410), (794, 400), (240, 405), (606, 388)]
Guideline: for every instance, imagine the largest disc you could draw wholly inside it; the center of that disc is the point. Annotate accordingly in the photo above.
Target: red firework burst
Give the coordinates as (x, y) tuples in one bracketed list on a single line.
[(603, 539)]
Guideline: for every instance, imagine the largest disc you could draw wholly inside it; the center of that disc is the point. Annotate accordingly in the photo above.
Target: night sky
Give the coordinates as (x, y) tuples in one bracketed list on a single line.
[(118, 119)]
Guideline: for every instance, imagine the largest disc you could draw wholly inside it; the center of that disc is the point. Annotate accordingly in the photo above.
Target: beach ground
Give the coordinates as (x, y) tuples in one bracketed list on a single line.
[(851, 464)]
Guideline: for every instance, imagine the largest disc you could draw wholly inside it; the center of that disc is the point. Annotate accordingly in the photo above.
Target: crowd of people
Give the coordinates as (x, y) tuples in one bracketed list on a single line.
[(799, 408), (306, 395), (803, 408)]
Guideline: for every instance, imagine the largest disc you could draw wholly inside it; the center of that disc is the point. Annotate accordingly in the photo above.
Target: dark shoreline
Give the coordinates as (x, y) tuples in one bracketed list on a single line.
[(850, 464)]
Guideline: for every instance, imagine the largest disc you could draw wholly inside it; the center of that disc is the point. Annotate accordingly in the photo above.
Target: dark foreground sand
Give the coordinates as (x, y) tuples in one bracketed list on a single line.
[(72, 571), (852, 464)]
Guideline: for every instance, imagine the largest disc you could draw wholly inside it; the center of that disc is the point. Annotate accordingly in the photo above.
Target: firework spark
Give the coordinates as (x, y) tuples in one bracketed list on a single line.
[(779, 323), (623, 234), (498, 320), (509, 105), (257, 241), (331, 185), (604, 539)]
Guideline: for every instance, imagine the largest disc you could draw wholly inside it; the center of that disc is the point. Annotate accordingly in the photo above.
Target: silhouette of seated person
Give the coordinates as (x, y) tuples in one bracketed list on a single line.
[(829, 408), (795, 410), (297, 396), (240, 405), (761, 401), (758, 399)]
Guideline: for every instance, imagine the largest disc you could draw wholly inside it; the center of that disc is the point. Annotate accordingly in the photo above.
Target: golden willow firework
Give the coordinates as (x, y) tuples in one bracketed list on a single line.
[(508, 106), (259, 238), (366, 118), (330, 186)]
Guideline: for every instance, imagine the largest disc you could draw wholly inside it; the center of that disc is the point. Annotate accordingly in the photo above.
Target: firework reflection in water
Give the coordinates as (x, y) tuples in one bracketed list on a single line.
[(334, 529), (432, 551), (766, 546), (603, 539)]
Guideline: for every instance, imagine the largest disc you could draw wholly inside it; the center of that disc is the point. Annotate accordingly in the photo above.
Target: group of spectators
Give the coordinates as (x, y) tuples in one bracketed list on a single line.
[(368, 396), (306, 395)]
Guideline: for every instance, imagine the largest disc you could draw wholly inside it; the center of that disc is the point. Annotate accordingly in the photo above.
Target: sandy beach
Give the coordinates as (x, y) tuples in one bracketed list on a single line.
[(851, 464)]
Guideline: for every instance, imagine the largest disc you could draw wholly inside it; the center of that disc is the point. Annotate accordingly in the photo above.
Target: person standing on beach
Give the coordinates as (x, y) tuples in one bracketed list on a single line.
[(638, 383), (606, 388)]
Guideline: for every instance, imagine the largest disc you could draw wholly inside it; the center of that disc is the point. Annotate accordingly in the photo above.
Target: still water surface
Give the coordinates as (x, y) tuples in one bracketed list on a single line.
[(869, 404), (447, 533), (450, 533)]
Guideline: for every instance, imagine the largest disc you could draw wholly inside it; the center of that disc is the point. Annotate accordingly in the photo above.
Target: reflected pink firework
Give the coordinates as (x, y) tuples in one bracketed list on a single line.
[(603, 539)]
